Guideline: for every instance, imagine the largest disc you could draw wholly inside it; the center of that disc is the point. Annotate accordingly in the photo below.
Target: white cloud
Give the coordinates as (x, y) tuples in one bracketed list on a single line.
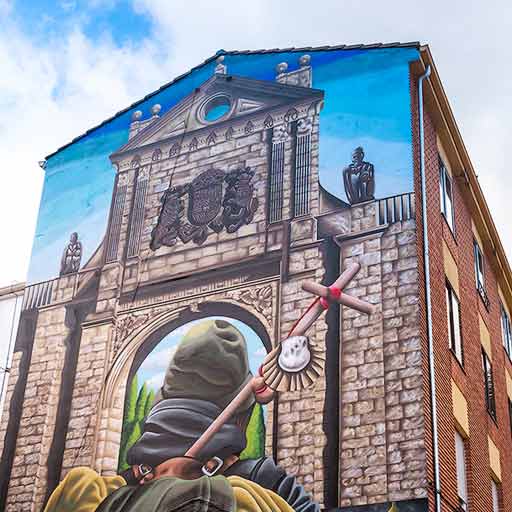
[(158, 360), (260, 352), (53, 90), (49, 94), (156, 381)]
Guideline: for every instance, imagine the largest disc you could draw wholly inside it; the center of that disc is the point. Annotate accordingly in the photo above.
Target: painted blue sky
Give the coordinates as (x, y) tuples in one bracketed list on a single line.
[(366, 103)]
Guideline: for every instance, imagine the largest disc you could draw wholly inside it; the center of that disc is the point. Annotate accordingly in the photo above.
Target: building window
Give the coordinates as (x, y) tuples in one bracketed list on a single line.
[(454, 333), (446, 190), (302, 175), (479, 272), (506, 331), (490, 399), (276, 175), (495, 496), (460, 459)]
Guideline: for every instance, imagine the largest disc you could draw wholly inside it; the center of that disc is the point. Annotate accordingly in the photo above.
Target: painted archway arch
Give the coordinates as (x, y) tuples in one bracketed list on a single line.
[(141, 345), (207, 310)]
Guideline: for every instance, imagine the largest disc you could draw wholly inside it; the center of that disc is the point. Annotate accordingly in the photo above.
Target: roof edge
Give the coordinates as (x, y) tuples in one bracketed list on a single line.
[(482, 207), (374, 46)]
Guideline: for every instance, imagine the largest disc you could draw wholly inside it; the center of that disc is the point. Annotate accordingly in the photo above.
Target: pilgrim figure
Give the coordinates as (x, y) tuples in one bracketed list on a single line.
[(208, 369)]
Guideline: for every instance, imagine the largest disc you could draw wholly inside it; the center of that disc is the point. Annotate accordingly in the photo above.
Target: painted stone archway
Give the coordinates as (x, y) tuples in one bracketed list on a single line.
[(147, 376), (143, 338)]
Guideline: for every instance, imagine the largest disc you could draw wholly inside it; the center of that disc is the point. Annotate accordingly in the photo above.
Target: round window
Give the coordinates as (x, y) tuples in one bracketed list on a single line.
[(216, 108)]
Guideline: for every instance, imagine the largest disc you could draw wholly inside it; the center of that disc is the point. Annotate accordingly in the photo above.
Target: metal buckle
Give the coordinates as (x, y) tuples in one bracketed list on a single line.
[(145, 470), (212, 472)]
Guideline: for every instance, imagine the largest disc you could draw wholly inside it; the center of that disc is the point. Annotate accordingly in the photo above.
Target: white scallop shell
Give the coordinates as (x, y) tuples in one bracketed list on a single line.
[(279, 378), (295, 354)]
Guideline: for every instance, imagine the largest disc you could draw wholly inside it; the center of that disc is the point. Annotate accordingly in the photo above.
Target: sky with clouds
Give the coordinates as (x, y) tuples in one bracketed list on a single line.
[(68, 65)]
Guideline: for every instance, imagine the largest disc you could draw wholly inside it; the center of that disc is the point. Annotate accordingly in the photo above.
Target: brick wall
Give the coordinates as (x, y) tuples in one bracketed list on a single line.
[(469, 378)]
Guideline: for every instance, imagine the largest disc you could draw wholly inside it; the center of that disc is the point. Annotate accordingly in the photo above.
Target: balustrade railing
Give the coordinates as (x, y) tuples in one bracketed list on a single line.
[(396, 208), (38, 294)]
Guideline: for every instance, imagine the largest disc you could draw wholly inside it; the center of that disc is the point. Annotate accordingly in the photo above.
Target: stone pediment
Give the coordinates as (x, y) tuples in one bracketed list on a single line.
[(221, 99)]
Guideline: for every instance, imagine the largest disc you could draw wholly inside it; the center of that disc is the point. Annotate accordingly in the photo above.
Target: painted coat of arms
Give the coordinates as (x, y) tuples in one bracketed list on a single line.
[(209, 208)]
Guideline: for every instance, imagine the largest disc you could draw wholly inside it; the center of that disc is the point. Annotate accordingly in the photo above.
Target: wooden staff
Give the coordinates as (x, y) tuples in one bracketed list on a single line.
[(257, 385)]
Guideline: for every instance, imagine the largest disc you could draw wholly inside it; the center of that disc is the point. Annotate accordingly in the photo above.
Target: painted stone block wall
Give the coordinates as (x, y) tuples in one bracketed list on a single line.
[(382, 426)]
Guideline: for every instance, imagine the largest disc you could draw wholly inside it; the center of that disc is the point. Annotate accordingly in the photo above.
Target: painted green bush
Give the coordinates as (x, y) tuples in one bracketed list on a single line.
[(255, 435), (137, 405)]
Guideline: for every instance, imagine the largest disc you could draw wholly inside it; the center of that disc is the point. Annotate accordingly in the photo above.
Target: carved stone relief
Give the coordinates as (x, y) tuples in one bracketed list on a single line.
[(260, 299), (205, 199)]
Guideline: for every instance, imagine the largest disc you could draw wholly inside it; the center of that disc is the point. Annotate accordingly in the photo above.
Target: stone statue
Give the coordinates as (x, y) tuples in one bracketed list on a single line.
[(359, 178), (72, 256)]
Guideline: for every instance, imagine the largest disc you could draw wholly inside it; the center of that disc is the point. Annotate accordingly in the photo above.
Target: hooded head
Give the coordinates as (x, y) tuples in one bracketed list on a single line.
[(210, 364)]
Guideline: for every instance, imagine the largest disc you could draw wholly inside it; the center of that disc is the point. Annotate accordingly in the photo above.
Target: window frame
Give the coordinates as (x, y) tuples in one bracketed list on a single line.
[(479, 261), (489, 387), (444, 178), (479, 257), (495, 492), (461, 470), (506, 331), (454, 324)]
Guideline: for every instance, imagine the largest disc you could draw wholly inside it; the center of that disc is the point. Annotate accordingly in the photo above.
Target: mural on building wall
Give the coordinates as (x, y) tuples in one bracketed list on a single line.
[(366, 105), (199, 261)]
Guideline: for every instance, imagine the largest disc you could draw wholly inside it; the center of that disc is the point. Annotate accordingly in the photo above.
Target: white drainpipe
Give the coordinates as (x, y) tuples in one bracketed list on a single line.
[(426, 260)]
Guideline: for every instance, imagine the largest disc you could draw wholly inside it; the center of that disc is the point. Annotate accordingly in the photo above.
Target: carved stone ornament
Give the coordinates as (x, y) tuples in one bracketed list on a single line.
[(208, 208), (259, 298), (280, 134), (122, 179), (193, 144), (269, 122), (291, 115), (166, 232), (239, 203), (175, 149), (249, 127), (212, 138), (144, 173), (304, 126), (125, 326), (229, 133)]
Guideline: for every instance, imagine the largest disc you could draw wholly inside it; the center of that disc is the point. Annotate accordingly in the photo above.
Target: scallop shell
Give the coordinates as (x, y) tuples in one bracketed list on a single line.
[(280, 380)]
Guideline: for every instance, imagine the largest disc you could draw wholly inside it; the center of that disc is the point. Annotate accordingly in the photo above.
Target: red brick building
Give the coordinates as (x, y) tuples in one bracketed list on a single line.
[(469, 270)]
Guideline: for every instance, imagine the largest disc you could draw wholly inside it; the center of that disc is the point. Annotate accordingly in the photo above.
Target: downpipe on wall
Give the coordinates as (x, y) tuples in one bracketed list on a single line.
[(426, 263)]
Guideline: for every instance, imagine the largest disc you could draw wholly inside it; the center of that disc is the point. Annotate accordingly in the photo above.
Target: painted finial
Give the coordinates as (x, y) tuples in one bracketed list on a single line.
[(304, 61), (137, 115), (281, 68), (155, 109), (220, 68)]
